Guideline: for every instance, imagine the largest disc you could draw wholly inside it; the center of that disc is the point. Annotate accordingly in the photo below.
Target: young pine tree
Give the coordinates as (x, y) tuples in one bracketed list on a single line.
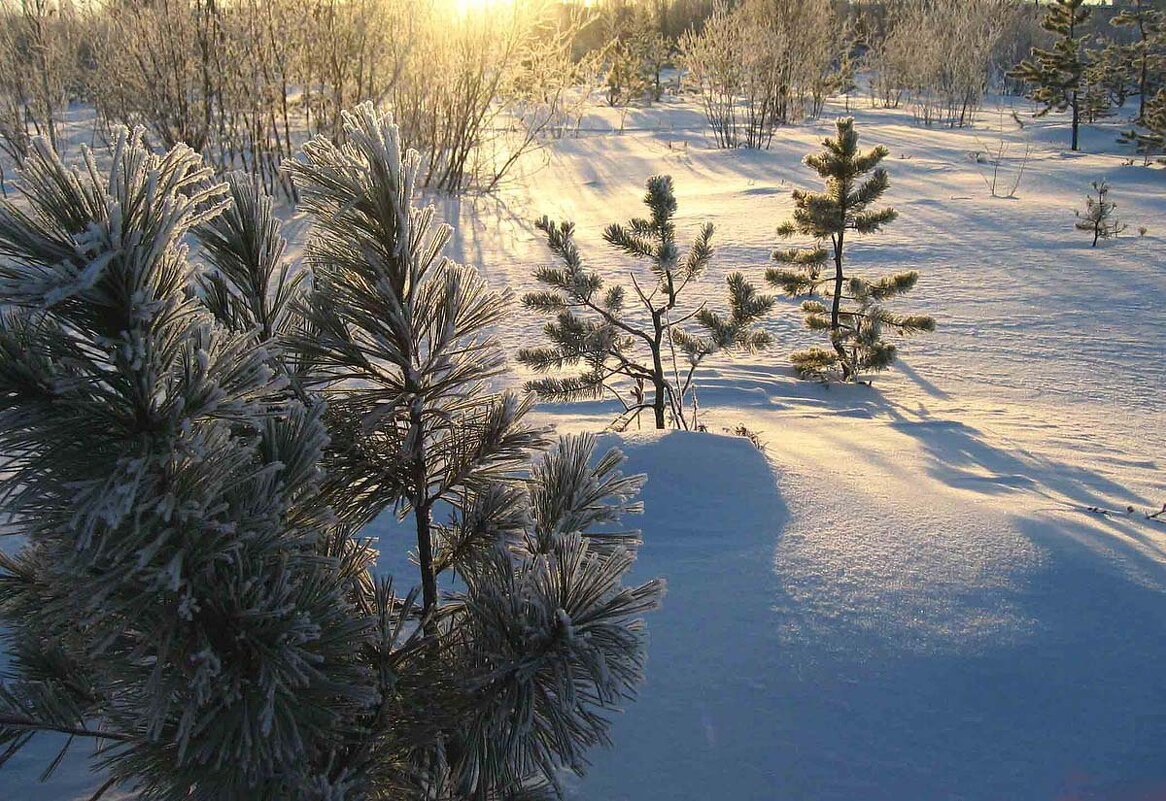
[(193, 591), (1149, 24), (1056, 74), (398, 342), (1149, 139), (398, 338), (594, 327), (1098, 217), (627, 83), (854, 318), (1103, 85)]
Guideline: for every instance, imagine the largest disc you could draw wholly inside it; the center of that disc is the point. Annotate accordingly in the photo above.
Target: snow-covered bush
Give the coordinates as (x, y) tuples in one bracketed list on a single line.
[(939, 56), (713, 69), (624, 352), (192, 452), (241, 81), (38, 72), (1006, 167), (246, 82), (851, 313), (445, 96), (761, 64), (549, 92)]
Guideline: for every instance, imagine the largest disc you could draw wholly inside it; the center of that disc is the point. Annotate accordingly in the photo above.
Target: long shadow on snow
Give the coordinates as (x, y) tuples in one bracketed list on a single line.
[(961, 456), (958, 454)]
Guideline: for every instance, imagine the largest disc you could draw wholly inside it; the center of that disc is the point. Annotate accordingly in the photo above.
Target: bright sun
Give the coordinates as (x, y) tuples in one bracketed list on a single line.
[(477, 6)]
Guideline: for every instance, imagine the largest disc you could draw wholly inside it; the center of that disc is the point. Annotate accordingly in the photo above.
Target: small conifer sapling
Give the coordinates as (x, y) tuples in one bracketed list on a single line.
[(1099, 218), (628, 355), (852, 314)]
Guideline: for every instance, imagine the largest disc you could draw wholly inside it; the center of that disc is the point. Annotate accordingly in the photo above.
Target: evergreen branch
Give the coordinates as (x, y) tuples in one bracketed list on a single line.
[(700, 254), (10, 723), (802, 257)]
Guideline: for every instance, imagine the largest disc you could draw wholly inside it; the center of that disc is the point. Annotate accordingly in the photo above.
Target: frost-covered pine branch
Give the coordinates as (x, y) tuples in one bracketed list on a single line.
[(250, 285), (166, 491), (400, 347), (399, 338), (193, 590)]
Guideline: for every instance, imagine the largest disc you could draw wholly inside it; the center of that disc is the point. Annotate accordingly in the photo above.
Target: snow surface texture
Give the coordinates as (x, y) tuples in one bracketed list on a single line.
[(904, 596)]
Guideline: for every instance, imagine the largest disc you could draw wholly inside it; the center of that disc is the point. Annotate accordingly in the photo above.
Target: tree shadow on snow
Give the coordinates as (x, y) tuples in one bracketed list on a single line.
[(961, 456)]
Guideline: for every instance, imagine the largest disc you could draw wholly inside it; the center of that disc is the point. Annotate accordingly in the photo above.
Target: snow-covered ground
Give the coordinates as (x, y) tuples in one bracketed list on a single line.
[(904, 596)]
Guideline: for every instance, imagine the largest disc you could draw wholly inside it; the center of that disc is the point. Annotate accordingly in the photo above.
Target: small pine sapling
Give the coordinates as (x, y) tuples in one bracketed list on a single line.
[(624, 355), (1095, 95), (856, 328), (1108, 80), (1098, 217)]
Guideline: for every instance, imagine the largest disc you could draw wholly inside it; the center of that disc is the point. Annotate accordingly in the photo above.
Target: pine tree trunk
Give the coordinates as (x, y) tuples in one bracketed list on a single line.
[(659, 383), (1142, 83), (1143, 77), (422, 515), (836, 307), (1076, 119)]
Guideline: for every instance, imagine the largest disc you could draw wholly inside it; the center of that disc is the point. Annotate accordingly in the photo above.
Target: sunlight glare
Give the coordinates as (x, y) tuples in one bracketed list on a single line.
[(471, 7)]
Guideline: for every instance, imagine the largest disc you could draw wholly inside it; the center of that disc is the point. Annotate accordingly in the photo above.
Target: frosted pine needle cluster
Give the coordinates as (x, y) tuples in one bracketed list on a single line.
[(193, 443)]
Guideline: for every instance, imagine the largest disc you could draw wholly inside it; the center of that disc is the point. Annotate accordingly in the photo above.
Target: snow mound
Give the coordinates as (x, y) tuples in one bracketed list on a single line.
[(701, 727), (829, 645)]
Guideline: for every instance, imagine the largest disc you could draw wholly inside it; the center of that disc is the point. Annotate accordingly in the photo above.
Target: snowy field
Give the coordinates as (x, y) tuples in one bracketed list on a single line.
[(905, 596)]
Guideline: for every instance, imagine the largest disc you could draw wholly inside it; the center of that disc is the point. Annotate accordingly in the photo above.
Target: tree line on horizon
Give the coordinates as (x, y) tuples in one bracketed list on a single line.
[(247, 82)]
